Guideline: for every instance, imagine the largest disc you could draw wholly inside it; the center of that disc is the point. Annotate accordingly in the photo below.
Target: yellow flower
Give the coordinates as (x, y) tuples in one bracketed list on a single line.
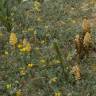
[(42, 42), (12, 14), (37, 48), (42, 61), (26, 46), (19, 93), (30, 29), (19, 46), (53, 80), (73, 21), (46, 27), (6, 52), (8, 86), (23, 49), (30, 65), (39, 19), (13, 38), (57, 93), (24, 31), (24, 42), (35, 32), (22, 71), (57, 61), (37, 6), (47, 34)]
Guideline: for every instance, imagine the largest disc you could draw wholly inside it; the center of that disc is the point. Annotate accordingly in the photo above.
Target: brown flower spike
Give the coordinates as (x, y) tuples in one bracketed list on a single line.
[(86, 25), (76, 72), (87, 40), (78, 45)]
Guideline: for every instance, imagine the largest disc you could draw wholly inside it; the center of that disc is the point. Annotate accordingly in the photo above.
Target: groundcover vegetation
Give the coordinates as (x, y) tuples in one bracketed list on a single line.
[(47, 48)]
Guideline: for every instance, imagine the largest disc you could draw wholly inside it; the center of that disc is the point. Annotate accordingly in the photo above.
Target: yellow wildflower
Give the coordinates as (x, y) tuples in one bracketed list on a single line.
[(19, 46), (30, 65), (37, 6), (53, 80), (24, 42), (35, 32), (23, 49), (30, 29), (42, 61), (19, 93), (24, 31), (26, 46), (73, 21), (47, 34), (46, 27), (8, 86), (39, 19), (13, 38), (37, 48), (12, 14), (57, 61), (57, 93), (36, 3), (22, 71), (42, 42), (6, 52)]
